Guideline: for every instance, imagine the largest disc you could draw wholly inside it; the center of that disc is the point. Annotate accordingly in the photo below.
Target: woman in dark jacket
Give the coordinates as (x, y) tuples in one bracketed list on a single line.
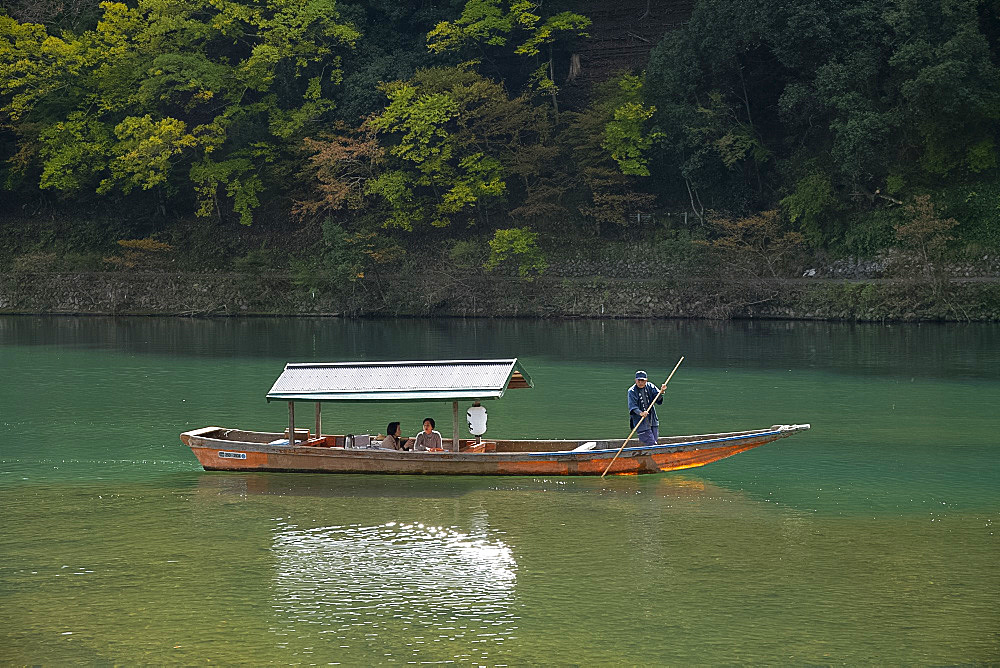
[(392, 439)]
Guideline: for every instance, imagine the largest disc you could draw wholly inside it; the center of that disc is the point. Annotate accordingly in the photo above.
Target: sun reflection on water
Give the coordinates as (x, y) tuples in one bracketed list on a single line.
[(448, 591)]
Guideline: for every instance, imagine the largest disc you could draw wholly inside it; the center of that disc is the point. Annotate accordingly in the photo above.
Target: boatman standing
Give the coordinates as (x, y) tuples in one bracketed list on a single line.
[(640, 405)]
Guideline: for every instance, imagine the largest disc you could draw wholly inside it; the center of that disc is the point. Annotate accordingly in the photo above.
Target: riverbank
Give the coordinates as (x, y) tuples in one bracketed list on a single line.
[(233, 294)]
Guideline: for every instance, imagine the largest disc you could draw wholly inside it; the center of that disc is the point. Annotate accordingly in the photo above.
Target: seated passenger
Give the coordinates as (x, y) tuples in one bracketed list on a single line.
[(428, 438), (392, 439)]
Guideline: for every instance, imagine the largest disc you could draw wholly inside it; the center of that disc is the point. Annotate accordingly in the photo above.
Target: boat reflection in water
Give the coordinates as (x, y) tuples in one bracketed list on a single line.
[(434, 584)]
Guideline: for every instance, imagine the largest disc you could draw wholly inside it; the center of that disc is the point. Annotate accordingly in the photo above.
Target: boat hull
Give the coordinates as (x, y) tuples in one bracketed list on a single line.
[(230, 450)]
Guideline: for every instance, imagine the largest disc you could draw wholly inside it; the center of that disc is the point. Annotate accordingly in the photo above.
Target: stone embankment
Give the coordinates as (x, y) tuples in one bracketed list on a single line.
[(896, 263), (113, 293)]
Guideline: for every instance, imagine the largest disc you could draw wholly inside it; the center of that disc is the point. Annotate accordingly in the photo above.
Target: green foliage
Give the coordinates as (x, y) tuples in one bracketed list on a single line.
[(625, 135), (343, 259), (977, 206), (517, 247), (554, 27), (310, 274), (869, 233), (175, 95), (576, 179), (497, 23), (447, 132), (842, 100), (511, 26), (482, 21), (712, 85), (812, 200), (853, 300), (834, 114), (947, 80), (241, 179), (145, 151), (76, 244), (982, 156), (75, 153)]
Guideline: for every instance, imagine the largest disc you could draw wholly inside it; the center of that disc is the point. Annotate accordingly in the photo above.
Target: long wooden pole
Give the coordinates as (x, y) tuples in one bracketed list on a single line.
[(637, 424)]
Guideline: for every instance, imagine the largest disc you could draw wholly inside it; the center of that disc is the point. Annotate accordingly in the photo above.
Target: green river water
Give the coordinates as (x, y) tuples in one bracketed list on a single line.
[(871, 539)]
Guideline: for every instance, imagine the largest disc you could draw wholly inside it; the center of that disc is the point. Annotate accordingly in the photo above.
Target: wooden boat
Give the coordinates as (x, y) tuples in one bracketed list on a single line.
[(221, 449)]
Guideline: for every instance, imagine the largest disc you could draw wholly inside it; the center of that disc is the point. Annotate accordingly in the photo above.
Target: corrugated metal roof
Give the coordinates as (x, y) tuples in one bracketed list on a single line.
[(398, 381)]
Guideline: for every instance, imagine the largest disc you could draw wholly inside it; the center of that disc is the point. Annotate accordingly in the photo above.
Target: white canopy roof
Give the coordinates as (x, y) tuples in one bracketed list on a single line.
[(399, 381)]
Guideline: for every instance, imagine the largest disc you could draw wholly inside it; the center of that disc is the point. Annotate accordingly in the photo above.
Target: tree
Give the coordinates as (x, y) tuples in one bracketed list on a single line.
[(448, 133), (513, 26), (626, 136), (926, 235), (823, 107), (392, 46), (518, 247), (948, 84), (180, 98), (754, 246), (340, 165), (811, 202), (713, 85), (606, 146)]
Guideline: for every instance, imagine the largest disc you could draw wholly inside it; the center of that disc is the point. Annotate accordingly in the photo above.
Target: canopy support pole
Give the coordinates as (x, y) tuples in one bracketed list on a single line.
[(291, 423), (454, 440), (319, 419)]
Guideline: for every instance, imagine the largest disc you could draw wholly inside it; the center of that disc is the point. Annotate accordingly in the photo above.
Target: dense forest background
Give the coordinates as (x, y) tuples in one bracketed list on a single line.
[(336, 138)]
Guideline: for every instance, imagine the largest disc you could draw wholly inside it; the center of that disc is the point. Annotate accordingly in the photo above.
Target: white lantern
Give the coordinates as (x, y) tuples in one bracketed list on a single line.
[(476, 415)]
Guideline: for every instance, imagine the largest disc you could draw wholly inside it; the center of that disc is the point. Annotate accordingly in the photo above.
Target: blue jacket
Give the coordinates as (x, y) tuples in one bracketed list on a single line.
[(640, 400)]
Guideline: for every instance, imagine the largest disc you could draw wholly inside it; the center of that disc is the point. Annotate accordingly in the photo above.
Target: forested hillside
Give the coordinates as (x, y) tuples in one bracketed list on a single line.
[(334, 138)]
